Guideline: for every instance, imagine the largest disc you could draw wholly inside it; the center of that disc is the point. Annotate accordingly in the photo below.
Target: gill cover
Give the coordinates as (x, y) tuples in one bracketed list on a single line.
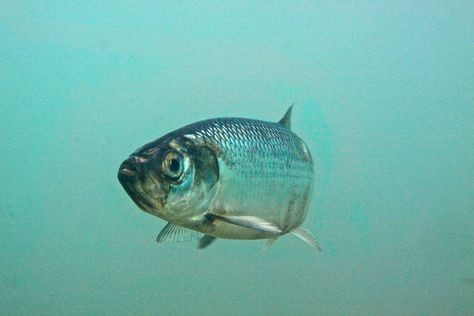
[(193, 192)]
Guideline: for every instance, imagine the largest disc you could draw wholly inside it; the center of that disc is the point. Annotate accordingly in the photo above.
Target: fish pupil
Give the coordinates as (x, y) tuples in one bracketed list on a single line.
[(174, 165)]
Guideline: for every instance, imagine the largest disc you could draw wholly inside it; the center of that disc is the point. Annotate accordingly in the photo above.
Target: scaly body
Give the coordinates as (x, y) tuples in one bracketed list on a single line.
[(239, 179)]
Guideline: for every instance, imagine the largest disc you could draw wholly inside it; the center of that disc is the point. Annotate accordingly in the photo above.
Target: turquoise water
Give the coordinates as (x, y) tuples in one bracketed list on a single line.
[(384, 98)]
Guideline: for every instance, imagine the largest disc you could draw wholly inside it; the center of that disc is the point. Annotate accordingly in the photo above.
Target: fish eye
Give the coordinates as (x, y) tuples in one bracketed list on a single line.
[(172, 165)]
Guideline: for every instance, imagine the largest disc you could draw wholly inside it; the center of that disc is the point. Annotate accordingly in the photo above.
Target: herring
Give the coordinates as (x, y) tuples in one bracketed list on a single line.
[(232, 178)]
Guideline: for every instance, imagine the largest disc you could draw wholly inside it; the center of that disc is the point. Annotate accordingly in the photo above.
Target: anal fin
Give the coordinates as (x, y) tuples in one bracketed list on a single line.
[(175, 233), (306, 236)]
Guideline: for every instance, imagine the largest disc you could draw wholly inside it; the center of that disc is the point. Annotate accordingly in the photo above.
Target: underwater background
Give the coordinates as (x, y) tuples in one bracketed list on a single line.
[(384, 98)]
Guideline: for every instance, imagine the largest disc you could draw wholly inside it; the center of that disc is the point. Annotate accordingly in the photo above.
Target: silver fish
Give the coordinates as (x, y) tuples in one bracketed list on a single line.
[(230, 178)]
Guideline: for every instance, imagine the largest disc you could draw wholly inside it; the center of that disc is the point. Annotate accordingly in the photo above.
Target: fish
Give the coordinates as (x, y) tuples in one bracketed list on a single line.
[(228, 178)]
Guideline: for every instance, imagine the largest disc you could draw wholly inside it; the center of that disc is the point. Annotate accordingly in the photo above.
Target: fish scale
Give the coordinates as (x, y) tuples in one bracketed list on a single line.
[(261, 160)]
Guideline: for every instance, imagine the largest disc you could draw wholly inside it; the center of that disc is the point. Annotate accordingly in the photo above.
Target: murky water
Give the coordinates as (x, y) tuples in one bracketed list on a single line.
[(384, 98)]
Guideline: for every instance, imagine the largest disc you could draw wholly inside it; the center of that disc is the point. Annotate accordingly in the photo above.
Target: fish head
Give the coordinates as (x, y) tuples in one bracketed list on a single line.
[(173, 178)]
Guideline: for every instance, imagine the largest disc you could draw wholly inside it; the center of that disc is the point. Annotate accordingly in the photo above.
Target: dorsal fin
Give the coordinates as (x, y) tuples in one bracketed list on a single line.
[(286, 119)]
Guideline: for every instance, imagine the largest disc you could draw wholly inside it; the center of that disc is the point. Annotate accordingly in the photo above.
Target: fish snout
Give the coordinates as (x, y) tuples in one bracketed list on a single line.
[(130, 168)]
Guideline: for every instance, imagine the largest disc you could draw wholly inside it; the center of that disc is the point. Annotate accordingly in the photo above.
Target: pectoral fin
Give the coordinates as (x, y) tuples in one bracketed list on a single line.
[(247, 221), (174, 233), (306, 236)]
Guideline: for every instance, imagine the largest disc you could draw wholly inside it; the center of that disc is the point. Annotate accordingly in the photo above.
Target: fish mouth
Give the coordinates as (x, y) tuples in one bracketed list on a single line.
[(129, 177), (130, 167), (126, 173)]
